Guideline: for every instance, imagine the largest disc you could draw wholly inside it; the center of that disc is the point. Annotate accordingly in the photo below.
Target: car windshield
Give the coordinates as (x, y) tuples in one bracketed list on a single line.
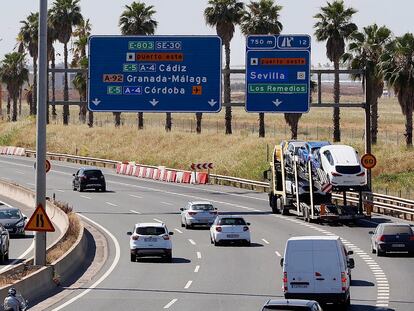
[(202, 207), (9, 214), (93, 173), (150, 230), (232, 221), (348, 169), (397, 230)]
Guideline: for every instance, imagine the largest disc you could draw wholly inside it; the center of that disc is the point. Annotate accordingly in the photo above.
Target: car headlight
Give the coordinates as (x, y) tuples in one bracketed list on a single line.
[(20, 224)]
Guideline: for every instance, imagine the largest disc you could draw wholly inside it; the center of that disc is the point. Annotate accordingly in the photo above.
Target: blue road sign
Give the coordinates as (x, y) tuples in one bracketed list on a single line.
[(155, 73), (278, 73)]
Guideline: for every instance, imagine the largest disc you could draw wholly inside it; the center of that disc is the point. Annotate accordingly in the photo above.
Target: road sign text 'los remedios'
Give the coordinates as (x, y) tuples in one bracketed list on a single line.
[(155, 73)]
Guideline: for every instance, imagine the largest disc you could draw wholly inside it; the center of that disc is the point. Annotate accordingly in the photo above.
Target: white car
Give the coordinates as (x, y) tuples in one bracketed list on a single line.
[(342, 165), (231, 229), (198, 213), (150, 239)]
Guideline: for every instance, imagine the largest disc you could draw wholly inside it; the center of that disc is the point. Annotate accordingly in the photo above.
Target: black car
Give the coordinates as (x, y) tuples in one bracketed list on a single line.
[(89, 178), (292, 304), (392, 237), (13, 220)]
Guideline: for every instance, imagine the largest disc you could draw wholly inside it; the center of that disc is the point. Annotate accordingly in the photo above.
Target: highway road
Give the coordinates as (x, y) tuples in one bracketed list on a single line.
[(202, 276), (21, 247)]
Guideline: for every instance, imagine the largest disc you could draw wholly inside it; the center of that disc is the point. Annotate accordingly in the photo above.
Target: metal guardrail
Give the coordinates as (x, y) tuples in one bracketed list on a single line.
[(383, 204)]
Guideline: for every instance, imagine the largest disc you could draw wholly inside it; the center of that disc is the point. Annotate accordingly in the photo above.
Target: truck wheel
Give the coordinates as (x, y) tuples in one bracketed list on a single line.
[(274, 205), (279, 205)]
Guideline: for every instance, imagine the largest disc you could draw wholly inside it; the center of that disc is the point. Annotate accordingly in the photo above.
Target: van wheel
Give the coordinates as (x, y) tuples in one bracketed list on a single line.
[(373, 250), (133, 257)]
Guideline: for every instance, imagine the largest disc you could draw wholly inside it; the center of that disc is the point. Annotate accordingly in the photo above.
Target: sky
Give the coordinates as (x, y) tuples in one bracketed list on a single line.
[(185, 17)]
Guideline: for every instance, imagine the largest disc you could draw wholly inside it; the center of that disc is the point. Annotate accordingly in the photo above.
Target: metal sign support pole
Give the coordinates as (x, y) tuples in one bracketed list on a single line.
[(40, 237)]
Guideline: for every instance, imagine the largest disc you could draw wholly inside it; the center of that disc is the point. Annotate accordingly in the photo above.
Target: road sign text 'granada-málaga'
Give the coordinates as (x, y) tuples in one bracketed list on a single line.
[(278, 73), (155, 73)]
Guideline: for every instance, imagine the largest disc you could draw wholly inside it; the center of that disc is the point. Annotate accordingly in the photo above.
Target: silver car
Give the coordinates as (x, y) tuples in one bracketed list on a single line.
[(200, 213)]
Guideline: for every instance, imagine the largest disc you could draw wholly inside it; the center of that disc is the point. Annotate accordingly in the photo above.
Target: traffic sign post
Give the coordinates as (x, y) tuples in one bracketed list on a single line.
[(278, 73), (155, 73)]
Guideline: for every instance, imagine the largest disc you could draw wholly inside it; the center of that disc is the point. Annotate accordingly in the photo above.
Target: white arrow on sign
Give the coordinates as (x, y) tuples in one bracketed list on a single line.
[(212, 102), (277, 102), (154, 102), (96, 102)]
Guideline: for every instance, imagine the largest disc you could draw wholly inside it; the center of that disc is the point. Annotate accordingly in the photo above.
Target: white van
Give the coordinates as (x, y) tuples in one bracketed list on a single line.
[(317, 268)]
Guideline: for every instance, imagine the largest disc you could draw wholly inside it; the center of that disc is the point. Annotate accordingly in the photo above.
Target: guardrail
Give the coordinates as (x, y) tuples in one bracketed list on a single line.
[(383, 204)]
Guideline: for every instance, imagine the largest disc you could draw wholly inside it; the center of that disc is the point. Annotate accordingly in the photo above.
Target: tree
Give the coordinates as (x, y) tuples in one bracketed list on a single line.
[(364, 52), (28, 35), (224, 15), (81, 33), (64, 15), (261, 18), (199, 117), (14, 74), (334, 26), (397, 67), (137, 19)]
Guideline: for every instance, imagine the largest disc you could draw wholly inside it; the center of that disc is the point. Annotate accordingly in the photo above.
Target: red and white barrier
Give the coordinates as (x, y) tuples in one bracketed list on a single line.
[(10, 150)]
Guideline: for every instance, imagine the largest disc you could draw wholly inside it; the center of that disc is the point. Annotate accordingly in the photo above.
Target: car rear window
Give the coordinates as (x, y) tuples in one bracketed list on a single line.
[(150, 230), (202, 207), (397, 230), (286, 308), (93, 173), (232, 221), (9, 214), (348, 169)]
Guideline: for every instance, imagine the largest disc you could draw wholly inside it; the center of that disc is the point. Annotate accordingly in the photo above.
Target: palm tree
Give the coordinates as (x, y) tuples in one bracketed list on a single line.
[(29, 41), (334, 26), (292, 119), (397, 67), (81, 33), (261, 18), (64, 15), (137, 19), (364, 51), (14, 74), (224, 15)]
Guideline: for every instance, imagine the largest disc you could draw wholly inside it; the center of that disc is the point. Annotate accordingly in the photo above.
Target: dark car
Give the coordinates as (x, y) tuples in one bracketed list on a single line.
[(12, 219), (392, 237), (292, 304), (89, 178), (4, 244)]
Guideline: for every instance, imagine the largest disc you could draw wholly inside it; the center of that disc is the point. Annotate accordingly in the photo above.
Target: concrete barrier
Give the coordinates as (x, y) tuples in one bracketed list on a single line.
[(41, 282)]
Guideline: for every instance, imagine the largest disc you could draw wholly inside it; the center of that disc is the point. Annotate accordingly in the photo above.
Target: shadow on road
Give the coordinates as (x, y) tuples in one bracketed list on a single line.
[(361, 283), (176, 260), (22, 237)]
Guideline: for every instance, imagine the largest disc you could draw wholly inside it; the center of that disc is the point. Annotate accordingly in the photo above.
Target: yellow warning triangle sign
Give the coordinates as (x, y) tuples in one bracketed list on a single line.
[(39, 221)]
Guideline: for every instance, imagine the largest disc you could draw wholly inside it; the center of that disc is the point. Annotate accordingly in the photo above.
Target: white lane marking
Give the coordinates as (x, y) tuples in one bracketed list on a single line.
[(178, 230), (112, 204), (264, 240), (170, 303), (166, 203), (30, 184), (196, 269), (135, 196), (157, 220), (278, 254), (105, 275), (188, 284), (198, 255), (257, 210), (20, 172), (31, 247), (59, 190), (135, 212), (85, 197), (191, 241)]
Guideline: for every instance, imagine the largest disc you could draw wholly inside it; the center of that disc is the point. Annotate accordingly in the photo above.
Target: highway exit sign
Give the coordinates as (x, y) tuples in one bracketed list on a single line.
[(155, 73), (278, 73)]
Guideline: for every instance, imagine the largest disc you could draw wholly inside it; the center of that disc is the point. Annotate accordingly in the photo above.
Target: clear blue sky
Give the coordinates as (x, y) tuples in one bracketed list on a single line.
[(185, 17)]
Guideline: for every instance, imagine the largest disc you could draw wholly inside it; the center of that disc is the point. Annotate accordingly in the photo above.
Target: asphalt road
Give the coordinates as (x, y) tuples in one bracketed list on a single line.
[(202, 276), (21, 247)]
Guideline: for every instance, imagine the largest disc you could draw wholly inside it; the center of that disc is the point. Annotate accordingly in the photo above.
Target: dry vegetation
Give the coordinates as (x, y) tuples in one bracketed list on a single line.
[(242, 154)]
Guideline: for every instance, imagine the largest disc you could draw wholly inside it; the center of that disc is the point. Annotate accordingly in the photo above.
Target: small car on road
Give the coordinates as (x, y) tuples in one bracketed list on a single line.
[(201, 213), (392, 237), (12, 219), (228, 228), (292, 305), (89, 178), (150, 240)]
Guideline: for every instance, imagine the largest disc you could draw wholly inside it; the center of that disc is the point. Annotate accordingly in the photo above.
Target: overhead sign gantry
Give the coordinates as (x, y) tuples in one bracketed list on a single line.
[(155, 73), (278, 73)]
